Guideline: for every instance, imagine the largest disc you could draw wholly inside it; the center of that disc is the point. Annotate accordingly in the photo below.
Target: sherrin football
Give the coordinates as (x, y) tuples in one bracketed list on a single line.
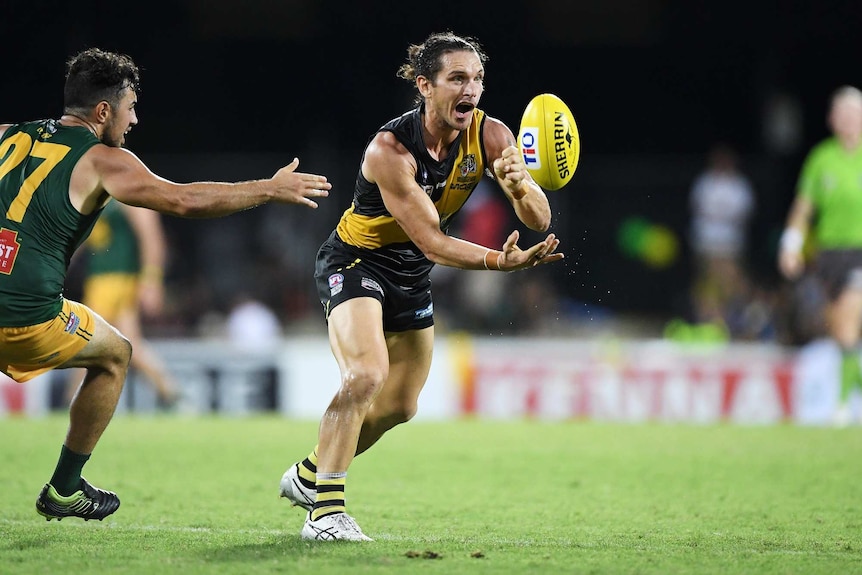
[(549, 142)]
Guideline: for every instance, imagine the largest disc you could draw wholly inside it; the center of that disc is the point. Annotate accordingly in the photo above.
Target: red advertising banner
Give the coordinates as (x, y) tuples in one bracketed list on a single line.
[(635, 382)]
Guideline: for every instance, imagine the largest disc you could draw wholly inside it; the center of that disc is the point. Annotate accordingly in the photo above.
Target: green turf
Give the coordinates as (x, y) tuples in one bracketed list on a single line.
[(199, 495)]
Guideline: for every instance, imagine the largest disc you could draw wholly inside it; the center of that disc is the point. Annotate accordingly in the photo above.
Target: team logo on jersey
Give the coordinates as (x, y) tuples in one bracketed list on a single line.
[(72, 323), (336, 284), (467, 165), (9, 246)]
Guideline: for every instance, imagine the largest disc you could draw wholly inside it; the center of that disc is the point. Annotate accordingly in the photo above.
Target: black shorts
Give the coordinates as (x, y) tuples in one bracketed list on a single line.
[(340, 276), (839, 270)]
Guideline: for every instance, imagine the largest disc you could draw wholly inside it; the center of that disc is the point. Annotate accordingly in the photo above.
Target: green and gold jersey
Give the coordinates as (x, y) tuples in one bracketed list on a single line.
[(39, 228), (831, 178), (372, 231), (112, 246)]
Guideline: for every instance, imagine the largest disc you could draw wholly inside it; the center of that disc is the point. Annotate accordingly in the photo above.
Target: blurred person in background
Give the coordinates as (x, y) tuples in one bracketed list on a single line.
[(373, 272), (828, 204), (251, 324), (56, 176), (124, 259), (722, 202)]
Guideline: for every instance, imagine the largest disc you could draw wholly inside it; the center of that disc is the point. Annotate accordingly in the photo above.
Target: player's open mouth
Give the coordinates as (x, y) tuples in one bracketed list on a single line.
[(464, 108)]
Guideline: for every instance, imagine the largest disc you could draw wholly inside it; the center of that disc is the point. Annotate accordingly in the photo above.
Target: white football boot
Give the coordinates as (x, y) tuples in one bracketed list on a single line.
[(335, 527), (295, 491)]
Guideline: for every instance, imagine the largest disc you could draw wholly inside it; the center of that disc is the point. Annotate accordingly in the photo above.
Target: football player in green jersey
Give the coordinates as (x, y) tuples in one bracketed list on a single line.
[(56, 176), (828, 203)]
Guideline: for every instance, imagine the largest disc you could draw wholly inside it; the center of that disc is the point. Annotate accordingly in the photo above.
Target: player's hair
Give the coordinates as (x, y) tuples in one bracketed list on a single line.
[(426, 59), (96, 75)]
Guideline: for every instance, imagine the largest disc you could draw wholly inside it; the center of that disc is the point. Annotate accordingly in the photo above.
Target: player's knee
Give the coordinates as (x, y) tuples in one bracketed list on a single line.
[(363, 384), (119, 354)]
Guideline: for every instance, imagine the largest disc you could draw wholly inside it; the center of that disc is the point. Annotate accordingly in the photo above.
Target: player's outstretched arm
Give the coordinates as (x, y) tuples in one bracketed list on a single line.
[(121, 174)]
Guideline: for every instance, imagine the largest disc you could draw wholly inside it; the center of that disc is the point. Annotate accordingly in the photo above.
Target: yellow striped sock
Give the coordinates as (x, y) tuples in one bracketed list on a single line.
[(330, 495), (308, 470)]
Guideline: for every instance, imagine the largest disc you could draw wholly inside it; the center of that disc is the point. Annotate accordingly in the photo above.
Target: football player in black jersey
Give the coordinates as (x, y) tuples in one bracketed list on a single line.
[(373, 272)]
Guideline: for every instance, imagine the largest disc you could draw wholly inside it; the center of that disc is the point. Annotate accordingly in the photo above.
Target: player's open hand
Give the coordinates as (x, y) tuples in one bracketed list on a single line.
[(294, 187), (514, 258)]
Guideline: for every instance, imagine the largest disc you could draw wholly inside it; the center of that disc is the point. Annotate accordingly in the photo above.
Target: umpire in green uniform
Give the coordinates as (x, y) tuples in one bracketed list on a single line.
[(828, 204)]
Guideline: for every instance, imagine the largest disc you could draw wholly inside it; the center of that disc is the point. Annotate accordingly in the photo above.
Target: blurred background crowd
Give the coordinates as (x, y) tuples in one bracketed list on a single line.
[(694, 119)]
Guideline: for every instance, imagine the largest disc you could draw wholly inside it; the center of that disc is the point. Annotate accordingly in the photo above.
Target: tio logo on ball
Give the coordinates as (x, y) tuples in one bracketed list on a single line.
[(530, 148)]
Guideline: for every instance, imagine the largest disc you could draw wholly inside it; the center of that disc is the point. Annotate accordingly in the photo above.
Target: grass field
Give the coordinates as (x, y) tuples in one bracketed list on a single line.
[(199, 495)]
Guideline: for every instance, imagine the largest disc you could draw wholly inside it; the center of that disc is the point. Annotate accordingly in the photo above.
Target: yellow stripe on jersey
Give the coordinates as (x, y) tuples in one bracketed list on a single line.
[(373, 232)]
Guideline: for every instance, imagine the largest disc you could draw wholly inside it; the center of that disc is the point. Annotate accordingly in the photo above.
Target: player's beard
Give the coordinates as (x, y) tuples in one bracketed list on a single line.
[(109, 138)]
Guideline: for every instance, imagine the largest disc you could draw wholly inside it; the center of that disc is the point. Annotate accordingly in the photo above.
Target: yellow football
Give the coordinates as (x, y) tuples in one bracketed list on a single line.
[(549, 142)]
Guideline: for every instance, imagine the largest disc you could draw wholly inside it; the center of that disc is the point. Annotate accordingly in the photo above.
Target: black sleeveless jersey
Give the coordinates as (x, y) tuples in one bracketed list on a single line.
[(371, 232)]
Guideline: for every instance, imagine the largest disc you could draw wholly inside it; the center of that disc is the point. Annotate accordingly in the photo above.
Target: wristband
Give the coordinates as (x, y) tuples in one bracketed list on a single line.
[(792, 240), (485, 260)]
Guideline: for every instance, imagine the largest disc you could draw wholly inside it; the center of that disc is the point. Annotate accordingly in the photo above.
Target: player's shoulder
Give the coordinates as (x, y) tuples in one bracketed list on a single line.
[(491, 123), (103, 155), (496, 136), (384, 154), (385, 143)]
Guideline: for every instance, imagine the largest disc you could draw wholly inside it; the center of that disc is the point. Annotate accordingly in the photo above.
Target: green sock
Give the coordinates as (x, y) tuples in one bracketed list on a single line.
[(67, 475), (850, 373)]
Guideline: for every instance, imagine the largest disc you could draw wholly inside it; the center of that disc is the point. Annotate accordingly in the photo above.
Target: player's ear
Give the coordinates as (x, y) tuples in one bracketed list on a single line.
[(102, 111), (423, 84)]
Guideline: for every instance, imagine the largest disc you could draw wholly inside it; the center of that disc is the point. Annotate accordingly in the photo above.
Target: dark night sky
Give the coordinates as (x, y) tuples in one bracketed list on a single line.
[(652, 84), (663, 76)]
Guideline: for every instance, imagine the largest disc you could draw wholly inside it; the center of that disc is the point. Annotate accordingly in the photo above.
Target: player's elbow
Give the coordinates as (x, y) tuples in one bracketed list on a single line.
[(182, 208), (433, 250), (436, 258), (172, 200), (544, 225), (433, 255), (189, 205), (540, 223), (193, 210)]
